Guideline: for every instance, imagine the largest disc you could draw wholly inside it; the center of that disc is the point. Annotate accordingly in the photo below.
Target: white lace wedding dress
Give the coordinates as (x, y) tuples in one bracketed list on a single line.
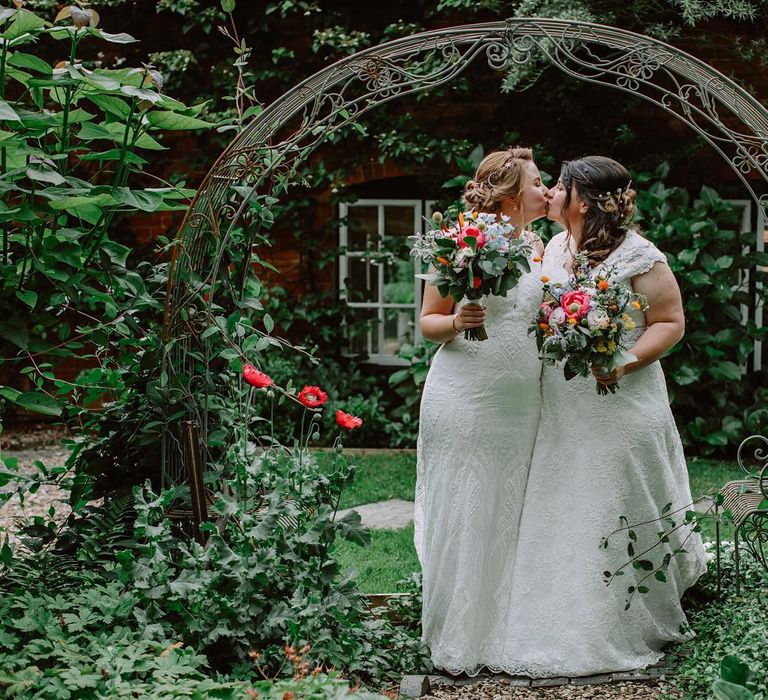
[(597, 458), (479, 416)]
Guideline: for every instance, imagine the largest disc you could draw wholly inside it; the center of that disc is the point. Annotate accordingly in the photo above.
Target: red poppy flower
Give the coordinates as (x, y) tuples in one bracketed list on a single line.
[(256, 378), (348, 421), (312, 396)]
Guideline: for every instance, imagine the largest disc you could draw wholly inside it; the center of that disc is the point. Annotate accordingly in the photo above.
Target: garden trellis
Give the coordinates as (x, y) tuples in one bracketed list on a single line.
[(261, 163)]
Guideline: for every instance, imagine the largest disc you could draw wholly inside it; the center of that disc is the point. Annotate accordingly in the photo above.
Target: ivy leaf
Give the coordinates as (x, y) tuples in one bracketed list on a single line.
[(28, 297)]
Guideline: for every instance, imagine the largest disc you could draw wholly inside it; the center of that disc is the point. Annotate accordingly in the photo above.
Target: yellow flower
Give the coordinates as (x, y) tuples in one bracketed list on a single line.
[(601, 348), (611, 345)]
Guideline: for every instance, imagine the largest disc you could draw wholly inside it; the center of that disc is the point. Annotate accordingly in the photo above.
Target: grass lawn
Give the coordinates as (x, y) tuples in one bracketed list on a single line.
[(380, 477), (391, 556)]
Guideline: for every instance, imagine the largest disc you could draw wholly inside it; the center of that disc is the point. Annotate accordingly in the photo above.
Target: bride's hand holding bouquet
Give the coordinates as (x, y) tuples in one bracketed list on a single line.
[(474, 256), (584, 325)]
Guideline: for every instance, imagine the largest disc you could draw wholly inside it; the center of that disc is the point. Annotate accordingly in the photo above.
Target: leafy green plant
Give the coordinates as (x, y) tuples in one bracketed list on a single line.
[(731, 634), (71, 153), (713, 262)]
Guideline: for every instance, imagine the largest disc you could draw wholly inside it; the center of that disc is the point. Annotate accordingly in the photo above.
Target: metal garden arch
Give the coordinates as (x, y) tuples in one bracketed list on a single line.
[(263, 158)]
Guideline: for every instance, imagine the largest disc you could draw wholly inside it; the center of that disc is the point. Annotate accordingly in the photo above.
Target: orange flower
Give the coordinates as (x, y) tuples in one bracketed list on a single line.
[(573, 321), (442, 260), (614, 307), (544, 279), (602, 285), (636, 304), (544, 326), (538, 258)]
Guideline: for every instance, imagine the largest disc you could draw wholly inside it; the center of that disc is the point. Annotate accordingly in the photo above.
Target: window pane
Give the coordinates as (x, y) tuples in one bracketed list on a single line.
[(363, 331), (362, 282), (362, 228), (399, 282), (398, 221), (399, 326)]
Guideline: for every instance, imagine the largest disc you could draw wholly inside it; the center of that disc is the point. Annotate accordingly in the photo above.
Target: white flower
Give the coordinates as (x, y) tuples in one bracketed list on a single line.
[(597, 318), (557, 317), (467, 253)]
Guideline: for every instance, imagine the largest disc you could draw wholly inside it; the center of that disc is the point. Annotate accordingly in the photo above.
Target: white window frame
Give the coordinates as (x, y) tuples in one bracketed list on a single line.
[(380, 306)]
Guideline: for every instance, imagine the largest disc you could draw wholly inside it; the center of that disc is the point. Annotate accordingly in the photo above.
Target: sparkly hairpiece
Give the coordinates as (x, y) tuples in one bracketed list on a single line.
[(617, 192)]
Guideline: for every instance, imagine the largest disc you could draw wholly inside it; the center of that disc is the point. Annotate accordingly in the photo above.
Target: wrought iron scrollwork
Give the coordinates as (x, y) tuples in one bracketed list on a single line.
[(263, 159)]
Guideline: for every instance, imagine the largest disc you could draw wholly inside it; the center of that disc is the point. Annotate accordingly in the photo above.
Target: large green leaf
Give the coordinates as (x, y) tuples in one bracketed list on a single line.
[(45, 175), (28, 60), (39, 402), (138, 199), (723, 690), (121, 38), (111, 104), (734, 670), (172, 121), (8, 113), (25, 22)]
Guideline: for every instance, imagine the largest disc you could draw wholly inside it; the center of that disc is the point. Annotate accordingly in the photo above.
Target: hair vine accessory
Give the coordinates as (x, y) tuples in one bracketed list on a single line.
[(618, 192)]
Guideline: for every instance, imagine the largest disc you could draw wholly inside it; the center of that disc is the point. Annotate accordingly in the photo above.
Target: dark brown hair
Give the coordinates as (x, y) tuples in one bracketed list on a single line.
[(604, 185)]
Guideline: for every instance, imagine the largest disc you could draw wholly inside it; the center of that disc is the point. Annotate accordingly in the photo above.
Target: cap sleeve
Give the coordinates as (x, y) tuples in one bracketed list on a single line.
[(636, 255)]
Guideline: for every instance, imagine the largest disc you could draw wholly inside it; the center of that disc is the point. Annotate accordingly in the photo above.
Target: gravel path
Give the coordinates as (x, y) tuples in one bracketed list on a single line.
[(28, 446), (498, 690)]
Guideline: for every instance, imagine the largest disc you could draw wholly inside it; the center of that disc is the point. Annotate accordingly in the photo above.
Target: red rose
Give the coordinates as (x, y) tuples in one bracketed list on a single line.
[(575, 304), (347, 421), (477, 281), (476, 233), (312, 396), (256, 378)]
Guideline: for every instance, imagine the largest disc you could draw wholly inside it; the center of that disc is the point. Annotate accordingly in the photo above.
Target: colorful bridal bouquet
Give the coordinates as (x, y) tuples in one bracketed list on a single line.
[(584, 323), (473, 257)]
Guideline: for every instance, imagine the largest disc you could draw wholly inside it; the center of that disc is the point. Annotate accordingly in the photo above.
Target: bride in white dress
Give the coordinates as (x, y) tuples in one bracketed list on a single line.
[(600, 457), (479, 416)]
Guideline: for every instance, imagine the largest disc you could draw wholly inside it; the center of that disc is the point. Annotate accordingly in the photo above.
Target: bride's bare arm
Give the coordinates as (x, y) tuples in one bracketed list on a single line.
[(665, 320), (438, 320), (665, 317)]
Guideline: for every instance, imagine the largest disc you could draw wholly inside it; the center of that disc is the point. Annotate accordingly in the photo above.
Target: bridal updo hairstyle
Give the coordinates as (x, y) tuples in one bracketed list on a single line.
[(499, 176), (605, 186)]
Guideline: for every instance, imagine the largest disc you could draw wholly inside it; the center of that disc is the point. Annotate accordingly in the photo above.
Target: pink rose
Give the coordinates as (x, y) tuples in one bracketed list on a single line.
[(575, 304), (475, 233)]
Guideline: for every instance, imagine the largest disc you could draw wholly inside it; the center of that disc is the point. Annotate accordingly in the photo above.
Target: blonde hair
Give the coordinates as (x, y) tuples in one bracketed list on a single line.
[(500, 175)]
